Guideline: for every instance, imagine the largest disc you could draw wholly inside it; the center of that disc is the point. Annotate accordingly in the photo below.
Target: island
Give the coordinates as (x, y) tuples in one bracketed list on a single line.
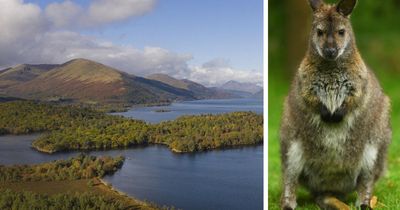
[(74, 128), (65, 184), (77, 182), (162, 110)]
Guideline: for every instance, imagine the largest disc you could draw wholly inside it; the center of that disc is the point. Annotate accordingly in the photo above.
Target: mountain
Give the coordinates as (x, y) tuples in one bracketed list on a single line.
[(169, 80), (22, 73), (87, 81), (237, 93), (199, 91), (259, 94), (241, 86)]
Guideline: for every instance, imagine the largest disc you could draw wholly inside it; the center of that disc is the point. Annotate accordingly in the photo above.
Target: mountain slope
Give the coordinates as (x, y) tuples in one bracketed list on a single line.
[(241, 86), (199, 91), (91, 82), (259, 94), (169, 80), (22, 73)]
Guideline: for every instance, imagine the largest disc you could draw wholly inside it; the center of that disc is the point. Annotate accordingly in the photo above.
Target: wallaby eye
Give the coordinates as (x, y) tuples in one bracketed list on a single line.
[(320, 32), (341, 32)]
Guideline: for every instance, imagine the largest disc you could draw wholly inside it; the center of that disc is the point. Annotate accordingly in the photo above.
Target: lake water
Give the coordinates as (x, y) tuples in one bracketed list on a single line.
[(198, 107), (219, 179)]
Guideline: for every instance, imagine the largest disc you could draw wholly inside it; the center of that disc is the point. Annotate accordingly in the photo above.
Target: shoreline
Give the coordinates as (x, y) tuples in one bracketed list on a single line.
[(100, 187), (121, 193), (173, 150)]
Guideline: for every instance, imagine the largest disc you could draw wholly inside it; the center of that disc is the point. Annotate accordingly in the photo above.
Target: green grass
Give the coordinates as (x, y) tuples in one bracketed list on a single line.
[(387, 189)]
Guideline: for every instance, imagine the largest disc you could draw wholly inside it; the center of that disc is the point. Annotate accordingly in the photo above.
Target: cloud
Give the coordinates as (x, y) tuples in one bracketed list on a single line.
[(105, 11), (61, 46), (64, 14), (19, 23), (30, 35), (68, 14), (218, 71)]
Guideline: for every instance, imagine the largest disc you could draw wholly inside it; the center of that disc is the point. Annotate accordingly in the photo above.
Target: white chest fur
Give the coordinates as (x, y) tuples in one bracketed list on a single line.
[(332, 88), (334, 137)]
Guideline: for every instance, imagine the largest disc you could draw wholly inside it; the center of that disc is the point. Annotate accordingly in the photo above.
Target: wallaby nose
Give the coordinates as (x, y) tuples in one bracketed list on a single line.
[(330, 52)]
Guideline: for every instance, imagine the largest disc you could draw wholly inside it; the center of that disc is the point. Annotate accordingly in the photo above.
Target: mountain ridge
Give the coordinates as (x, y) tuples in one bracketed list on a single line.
[(199, 91), (90, 82), (87, 81), (241, 86)]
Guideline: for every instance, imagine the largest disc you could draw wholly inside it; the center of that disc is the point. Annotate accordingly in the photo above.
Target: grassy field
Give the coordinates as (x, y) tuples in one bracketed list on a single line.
[(387, 189), (77, 186)]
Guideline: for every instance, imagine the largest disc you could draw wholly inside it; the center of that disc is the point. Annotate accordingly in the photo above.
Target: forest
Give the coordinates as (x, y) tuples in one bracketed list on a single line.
[(74, 183), (205, 132), (28, 200), (80, 167), (23, 117), (74, 128)]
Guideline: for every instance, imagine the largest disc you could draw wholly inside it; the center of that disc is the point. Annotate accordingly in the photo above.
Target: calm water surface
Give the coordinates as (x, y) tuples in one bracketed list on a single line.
[(198, 107), (219, 179)]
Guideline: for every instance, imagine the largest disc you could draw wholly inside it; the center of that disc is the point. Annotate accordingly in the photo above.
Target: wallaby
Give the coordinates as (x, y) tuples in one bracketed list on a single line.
[(335, 127)]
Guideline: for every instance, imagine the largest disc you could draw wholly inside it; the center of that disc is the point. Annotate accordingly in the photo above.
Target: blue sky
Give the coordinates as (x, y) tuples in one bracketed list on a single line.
[(226, 31)]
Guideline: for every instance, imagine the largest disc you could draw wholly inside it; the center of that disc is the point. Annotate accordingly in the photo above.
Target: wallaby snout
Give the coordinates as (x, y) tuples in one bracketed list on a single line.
[(330, 53)]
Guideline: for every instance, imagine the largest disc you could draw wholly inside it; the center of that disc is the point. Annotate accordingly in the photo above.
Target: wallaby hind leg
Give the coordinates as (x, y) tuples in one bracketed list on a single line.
[(328, 202)]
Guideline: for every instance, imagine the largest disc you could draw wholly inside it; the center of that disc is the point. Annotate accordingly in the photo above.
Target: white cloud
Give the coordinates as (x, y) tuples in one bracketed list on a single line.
[(61, 46), (64, 14), (218, 72), (30, 35), (100, 12), (105, 11), (19, 23)]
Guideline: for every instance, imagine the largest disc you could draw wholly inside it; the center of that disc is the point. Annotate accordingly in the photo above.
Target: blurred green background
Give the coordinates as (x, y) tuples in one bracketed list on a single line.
[(377, 30)]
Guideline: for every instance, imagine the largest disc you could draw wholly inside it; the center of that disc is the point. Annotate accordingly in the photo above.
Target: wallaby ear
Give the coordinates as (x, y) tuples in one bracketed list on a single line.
[(345, 7), (315, 4)]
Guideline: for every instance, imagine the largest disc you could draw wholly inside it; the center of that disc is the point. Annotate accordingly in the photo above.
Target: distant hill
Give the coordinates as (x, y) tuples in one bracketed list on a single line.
[(241, 86), (169, 80), (199, 91), (259, 94), (22, 73), (237, 93), (89, 82)]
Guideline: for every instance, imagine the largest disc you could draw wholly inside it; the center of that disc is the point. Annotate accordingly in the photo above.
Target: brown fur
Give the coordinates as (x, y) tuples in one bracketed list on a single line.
[(333, 158)]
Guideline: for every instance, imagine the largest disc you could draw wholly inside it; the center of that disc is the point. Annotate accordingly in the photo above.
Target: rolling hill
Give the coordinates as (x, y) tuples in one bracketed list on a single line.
[(199, 91), (241, 86), (86, 81), (259, 94), (22, 73)]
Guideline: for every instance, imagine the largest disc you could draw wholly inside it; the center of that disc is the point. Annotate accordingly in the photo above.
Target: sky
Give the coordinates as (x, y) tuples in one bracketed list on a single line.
[(207, 41)]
